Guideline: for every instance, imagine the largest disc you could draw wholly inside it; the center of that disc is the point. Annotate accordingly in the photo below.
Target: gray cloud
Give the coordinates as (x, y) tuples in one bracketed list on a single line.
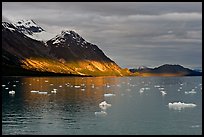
[(131, 33)]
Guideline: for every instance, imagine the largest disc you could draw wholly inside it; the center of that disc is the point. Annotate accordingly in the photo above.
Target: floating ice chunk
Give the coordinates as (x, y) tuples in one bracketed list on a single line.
[(156, 86), (6, 88), (102, 113), (163, 93), (104, 105), (42, 92), (14, 85), (12, 92), (180, 105), (195, 126), (54, 91), (77, 86), (141, 90), (190, 92), (108, 86), (109, 95), (92, 86), (147, 88), (34, 91), (3, 85)]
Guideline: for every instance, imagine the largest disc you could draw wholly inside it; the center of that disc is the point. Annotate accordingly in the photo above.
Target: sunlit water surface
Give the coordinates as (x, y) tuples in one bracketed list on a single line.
[(137, 105)]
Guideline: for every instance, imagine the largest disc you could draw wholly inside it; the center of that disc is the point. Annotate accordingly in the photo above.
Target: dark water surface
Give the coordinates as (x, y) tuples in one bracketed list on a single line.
[(138, 107)]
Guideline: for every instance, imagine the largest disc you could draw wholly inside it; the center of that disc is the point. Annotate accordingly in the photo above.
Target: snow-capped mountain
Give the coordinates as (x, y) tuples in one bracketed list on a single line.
[(30, 29), (65, 53)]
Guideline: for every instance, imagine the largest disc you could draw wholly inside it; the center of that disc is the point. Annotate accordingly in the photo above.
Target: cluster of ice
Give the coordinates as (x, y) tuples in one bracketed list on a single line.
[(163, 92), (190, 92), (103, 105), (12, 92), (180, 105)]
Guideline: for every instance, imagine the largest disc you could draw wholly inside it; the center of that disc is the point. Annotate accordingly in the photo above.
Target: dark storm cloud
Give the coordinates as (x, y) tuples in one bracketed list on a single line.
[(137, 33)]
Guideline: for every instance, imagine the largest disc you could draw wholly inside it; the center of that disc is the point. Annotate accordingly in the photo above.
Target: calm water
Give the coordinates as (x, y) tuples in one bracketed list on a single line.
[(138, 106)]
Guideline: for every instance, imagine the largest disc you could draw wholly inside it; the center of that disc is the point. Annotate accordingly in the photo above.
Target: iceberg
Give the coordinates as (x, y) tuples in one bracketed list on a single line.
[(104, 105), (109, 95), (180, 105), (102, 113)]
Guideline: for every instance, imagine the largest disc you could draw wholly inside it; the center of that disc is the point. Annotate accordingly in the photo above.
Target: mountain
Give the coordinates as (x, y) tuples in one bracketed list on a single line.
[(67, 53), (166, 70)]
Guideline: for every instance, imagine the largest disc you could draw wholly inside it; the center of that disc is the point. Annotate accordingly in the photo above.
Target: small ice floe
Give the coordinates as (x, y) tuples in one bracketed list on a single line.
[(77, 86), (141, 90), (195, 126), (14, 85), (161, 88), (108, 86), (3, 85), (102, 113), (163, 92), (42, 93), (109, 95), (54, 91), (147, 88), (7, 88), (190, 92), (180, 105), (34, 91), (12, 92), (104, 105), (156, 86), (92, 86)]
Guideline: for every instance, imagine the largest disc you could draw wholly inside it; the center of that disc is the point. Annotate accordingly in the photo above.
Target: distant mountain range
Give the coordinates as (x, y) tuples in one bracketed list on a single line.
[(166, 70), (27, 49)]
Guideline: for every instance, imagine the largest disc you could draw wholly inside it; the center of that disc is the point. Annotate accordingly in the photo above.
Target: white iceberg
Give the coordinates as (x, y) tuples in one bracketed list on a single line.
[(34, 91), (102, 113), (163, 93), (180, 105), (12, 92), (42, 92), (104, 105), (109, 95), (54, 91)]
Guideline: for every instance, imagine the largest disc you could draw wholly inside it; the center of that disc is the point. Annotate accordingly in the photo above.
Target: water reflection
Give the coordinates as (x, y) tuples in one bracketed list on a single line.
[(74, 108)]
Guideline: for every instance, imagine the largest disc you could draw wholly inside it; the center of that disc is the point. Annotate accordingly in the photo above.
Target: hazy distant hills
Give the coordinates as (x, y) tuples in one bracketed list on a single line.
[(166, 70), (29, 49)]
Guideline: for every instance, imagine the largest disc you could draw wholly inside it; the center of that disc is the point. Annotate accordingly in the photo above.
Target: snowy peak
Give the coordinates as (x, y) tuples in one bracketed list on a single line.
[(28, 26), (6, 25), (68, 36)]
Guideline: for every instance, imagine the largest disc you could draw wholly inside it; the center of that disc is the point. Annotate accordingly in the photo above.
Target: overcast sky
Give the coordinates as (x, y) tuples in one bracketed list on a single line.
[(130, 33)]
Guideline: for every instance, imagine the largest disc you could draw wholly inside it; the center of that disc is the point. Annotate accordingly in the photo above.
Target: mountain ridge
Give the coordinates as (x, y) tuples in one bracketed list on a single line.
[(67, 53), (166, 70)]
